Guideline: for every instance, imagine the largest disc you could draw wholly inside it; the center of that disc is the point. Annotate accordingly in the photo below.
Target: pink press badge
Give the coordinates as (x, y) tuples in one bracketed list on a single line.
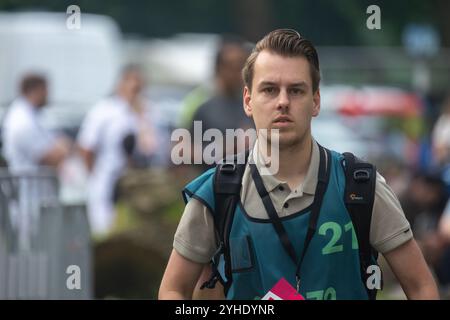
[(283, 290)]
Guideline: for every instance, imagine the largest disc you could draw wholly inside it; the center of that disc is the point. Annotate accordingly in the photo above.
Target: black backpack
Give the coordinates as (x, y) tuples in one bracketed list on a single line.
[(359, 196)]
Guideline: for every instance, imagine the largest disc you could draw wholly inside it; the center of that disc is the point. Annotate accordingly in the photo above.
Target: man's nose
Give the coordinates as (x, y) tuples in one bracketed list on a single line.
[(283, 100)]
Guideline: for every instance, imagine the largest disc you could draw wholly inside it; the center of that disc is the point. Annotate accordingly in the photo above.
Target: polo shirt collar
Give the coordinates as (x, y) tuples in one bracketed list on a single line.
[(309, 184)]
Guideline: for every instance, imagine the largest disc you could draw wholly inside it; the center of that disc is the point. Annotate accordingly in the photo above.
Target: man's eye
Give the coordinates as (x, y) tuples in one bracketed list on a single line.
[(269, 90), (296, 91)]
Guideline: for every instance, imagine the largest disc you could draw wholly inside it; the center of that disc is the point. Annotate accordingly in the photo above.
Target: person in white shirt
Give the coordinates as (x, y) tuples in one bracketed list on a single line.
[(102, 143), (27, 145), (441, 136), (30, 149)]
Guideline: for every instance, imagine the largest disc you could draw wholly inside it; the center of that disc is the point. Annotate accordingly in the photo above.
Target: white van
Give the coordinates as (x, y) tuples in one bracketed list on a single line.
[(81, 65)]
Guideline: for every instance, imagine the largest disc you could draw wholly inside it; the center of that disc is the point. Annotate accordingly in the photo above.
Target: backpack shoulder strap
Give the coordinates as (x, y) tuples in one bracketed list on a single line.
[(227, 187), (359, 196)]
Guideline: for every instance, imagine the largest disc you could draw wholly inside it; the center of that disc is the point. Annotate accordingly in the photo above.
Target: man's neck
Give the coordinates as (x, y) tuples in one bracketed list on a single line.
[(294, 162), (123, 95)]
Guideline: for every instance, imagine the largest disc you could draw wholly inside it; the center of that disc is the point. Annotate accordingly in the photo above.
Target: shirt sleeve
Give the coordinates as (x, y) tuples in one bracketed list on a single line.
[(89, 135), (389, 227), (195, 236)]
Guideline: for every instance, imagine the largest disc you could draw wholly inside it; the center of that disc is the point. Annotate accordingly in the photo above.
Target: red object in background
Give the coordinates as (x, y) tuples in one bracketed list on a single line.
[(379, 102)]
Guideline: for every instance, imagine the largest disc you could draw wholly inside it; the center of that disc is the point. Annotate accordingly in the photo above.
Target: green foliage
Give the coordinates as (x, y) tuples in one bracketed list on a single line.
[(327, 22)]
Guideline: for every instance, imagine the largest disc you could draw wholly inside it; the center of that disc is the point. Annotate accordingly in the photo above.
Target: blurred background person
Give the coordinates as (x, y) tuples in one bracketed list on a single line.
[(441, 136), (444, 223), (117, 132), (443, 269), (423, 202), (441, 156), (27, 144), (34, 157), (223, 110), (222, 82)]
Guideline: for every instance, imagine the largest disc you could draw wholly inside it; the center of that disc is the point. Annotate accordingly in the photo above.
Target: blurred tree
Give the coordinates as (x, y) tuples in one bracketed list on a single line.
[(327, 22), (441, 10), (253, 18)]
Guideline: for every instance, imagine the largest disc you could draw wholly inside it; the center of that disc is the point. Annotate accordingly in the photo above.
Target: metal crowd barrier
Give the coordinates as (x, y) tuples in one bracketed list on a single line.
[(45, 249)]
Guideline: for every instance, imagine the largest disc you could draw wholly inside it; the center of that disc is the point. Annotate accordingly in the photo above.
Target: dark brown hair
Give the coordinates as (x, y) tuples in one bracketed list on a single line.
[(32, 82), (287, 43), (226, 42)]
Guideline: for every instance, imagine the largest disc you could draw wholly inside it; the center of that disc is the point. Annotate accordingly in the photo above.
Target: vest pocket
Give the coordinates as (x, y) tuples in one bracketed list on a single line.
[(241, 252)]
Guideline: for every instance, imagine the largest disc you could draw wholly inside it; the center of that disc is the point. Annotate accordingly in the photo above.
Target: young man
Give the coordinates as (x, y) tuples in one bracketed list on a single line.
[(27, 145), (281, 92)]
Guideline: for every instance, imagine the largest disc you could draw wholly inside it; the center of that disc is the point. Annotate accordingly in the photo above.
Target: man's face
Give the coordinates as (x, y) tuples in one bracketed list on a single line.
[(233, 61), (41, 95), (133, 84), (282, 97)]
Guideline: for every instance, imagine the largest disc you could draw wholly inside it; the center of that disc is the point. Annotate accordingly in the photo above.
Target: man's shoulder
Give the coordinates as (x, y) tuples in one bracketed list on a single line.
[(202, 178), (339, 156), (210, 106), (201, 188), (202, 110), (18, 117), (334, 155)]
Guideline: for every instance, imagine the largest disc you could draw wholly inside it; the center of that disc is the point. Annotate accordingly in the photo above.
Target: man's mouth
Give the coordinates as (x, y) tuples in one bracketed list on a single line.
[(282, 120)]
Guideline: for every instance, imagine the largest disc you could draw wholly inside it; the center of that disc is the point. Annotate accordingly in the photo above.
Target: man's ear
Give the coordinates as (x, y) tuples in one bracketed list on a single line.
[(316, 103), (247, 102)]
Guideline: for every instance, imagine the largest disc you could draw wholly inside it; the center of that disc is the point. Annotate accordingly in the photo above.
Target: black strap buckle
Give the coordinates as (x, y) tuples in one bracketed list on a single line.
[(215, 275), (210, 283), (361, 175), (228, 167)]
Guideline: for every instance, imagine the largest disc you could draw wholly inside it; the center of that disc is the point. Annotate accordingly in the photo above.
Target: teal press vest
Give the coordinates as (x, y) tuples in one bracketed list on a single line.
[(331, 266)]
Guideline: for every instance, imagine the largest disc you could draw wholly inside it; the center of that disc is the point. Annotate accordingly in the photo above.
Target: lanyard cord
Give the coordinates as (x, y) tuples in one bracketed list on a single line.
[(314, 215)]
